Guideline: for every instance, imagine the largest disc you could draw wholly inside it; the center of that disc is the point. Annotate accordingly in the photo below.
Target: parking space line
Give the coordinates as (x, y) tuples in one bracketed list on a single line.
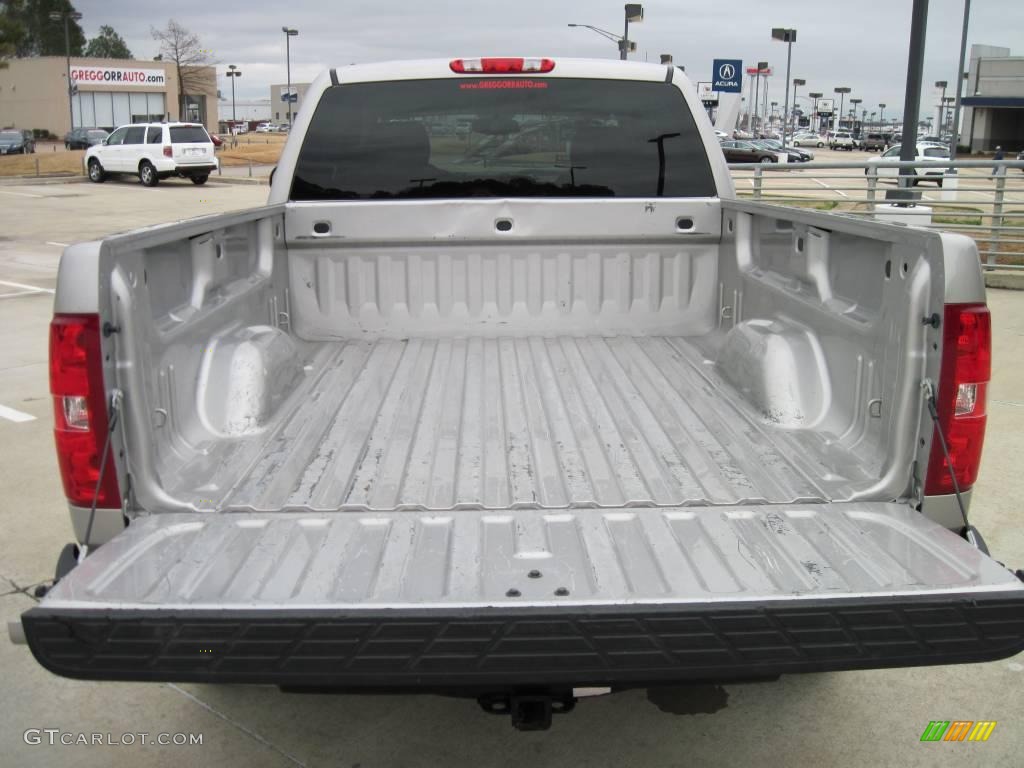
[(826, 186), (61, 245), (231, 721), (19, 194), (16, 416), (24, 287), (19, 293)]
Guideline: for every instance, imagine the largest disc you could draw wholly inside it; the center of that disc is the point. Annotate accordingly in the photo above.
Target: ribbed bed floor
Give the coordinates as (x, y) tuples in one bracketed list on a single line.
[(505, 423)]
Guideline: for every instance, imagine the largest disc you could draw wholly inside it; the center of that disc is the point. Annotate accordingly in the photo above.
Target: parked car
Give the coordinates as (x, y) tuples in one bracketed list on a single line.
[(154, 151), (873, 142), (808, 140), (15, 142), (444, 417), (1020, 157), (264, 128), (794, 154), (842, 140), (926, 154), (737, 151), (83, 138), (218, 142)]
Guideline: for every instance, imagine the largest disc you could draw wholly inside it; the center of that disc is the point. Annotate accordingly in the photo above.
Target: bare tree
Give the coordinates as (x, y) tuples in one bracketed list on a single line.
[(184, 48)]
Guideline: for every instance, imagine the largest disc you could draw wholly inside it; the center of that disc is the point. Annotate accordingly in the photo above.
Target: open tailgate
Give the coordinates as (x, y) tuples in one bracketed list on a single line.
[(518, 597)]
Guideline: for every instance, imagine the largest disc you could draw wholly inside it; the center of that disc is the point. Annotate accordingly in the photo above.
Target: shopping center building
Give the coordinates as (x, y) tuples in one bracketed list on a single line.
[(107, 93)]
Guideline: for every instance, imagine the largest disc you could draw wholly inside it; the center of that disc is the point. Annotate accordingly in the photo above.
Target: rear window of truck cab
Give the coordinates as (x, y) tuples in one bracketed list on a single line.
[(502, 137)]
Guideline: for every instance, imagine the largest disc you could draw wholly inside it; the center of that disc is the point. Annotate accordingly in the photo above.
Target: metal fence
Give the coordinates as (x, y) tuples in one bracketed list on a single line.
[(980, 198)]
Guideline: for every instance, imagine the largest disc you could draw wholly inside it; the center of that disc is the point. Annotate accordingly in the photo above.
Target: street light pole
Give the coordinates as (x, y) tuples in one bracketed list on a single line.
[(942, 100), (788, 36), (955, 138), (815, 120), (881, 115), (761, 66), (912, 96), (233, 72), (288, 35), (633, 12), (842, 91), (67, 16), (797, 82), (853, 123)]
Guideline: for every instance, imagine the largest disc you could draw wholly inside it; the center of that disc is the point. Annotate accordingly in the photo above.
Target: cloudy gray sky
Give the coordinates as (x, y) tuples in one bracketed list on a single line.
[(858, 43)]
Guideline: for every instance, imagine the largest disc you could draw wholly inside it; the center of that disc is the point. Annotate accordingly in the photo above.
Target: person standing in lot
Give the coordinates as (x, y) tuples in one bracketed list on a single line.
[(998, 169)]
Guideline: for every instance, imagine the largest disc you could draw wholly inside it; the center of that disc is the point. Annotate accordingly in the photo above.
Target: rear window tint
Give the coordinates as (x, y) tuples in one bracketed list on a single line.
[(502, 137), (189, 134), (936, 152)]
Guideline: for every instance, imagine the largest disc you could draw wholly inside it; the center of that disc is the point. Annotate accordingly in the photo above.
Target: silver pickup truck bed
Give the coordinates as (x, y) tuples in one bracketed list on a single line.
[(464, 423)]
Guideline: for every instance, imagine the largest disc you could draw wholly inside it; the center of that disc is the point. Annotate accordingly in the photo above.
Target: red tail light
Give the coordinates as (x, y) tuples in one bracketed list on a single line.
[(168, 151), (963, 385), (80, 410), (499, 66)]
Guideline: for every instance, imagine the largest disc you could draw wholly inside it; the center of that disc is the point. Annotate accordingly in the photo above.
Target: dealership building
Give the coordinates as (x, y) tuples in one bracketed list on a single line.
[(108, 93), (279, 100), (993, 103)]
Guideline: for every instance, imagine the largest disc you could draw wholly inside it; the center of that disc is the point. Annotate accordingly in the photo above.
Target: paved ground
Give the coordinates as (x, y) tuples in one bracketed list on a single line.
[(856, 718)]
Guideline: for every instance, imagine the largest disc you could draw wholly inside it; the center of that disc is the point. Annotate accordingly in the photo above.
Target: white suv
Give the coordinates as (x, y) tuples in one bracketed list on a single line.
[(154, 151)]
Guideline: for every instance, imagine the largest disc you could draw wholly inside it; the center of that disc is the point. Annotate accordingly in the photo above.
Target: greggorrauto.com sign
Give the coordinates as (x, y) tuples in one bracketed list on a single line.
[(118, 76)]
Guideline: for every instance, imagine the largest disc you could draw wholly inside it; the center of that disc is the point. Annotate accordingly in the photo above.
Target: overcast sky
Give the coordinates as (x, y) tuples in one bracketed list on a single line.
[(861, 43)]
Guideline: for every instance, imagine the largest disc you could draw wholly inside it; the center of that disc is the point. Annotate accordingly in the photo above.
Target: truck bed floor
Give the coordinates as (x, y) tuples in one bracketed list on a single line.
[(505, 423)]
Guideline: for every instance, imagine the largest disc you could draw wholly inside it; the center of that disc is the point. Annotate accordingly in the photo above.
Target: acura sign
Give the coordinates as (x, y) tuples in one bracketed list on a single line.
[(727, 75)]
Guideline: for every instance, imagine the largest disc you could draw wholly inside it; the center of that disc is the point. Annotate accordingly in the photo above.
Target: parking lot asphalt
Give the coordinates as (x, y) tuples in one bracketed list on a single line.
[(854, 718)]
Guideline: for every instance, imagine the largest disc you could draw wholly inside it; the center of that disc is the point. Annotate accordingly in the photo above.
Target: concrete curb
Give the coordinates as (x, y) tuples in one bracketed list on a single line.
[(1010, 279), (244, 180), (18, 181)]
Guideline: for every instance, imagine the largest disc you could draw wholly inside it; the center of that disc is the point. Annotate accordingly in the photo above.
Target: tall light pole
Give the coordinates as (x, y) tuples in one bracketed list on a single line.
[(761, 67), (634, 13), (68, 16), (912, 97), (855, 102), (233, 72), (942, 100), (955, 139), (797, 82), (947, 105), (788, 36), (842, 91), (881, 115), (815, 120), (288, 35)]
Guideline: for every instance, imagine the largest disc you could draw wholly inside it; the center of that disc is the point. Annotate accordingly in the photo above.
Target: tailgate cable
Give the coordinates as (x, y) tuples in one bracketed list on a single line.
[(115, 408), (929, 397)]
